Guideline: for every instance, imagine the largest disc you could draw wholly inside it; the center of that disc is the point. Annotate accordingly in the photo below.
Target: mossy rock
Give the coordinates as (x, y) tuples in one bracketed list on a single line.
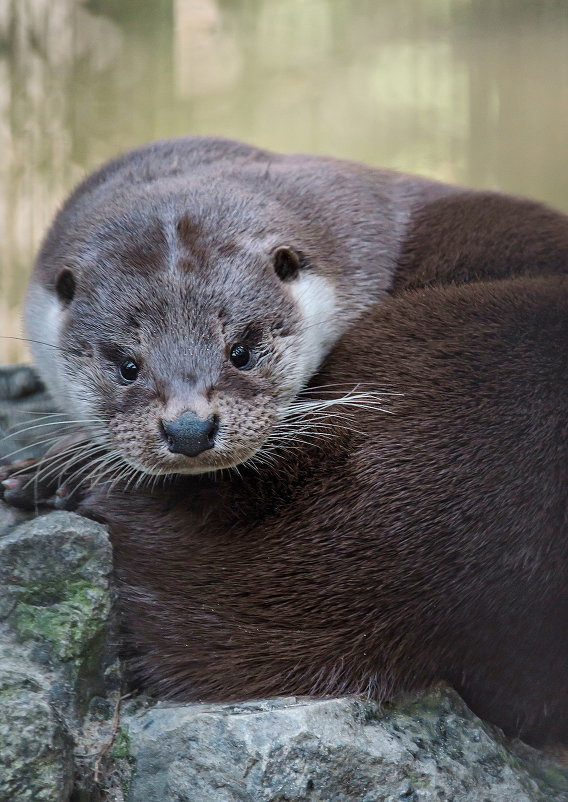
[(55, 597), (36, 757)]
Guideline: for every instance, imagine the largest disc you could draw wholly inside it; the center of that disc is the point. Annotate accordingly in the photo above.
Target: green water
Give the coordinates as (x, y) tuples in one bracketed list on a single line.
[(474, 92)]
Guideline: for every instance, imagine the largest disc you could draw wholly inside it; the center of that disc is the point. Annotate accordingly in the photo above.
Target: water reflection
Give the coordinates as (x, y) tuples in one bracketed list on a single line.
[(473, 91)]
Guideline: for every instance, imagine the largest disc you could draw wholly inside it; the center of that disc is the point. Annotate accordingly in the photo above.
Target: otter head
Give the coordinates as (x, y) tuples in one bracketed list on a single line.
[(178, 340)]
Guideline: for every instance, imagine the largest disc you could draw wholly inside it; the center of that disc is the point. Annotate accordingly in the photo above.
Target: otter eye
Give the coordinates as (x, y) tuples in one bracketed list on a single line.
[(129, 371), (241, 357)]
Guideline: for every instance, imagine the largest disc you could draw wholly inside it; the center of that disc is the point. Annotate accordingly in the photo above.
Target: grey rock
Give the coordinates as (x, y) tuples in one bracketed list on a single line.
[(36, 750), (55, 587), (333, 750), (10, 517), (18, 382), (56, 655), (25, 408)]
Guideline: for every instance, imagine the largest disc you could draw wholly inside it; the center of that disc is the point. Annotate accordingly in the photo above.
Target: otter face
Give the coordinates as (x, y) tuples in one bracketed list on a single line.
[(177, 353)]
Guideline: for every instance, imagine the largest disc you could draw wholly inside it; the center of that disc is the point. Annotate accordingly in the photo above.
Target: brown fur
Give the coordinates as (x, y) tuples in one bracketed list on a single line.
[(427, 544)]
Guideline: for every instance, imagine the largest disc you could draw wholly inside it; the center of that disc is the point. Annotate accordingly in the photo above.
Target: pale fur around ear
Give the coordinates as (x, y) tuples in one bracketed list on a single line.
[(43, 317), (321, 322)]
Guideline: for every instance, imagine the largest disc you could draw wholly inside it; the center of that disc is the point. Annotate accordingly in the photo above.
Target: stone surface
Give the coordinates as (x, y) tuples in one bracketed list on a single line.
[(55, 593), (18, 382), (25, 408), (11, 517), (56, 655), (36, 750), (336, 750)]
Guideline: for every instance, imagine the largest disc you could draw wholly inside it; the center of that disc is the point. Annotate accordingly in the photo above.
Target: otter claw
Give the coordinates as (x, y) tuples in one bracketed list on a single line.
[(68, 498), (11, 483)]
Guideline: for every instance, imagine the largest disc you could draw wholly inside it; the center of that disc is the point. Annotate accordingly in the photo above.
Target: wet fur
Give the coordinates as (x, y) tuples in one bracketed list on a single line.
[(426, 544)]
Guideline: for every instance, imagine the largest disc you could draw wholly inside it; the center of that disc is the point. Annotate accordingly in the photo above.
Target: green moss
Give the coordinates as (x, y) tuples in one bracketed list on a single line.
[(122, 761), (65, 614), (551, 776), (419, 782), (35, 759), (13, 686), (121, 746)]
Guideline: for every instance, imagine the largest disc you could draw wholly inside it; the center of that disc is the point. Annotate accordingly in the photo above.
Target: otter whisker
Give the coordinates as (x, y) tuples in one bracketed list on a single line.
[(235, 469), (30, 445), (321, 411), (319, 420), (352, 398), (99, 468), (320, 387), (307, 422), (58, 464), (261, 459), (36, 412), (35, 420), (128, 474), (66, 350), (109, 471), (157, 477), (294, 429), (152, 480), (53, 423), (330, 421), (94, 466), (83, 449), (311, 419), (296, 436), (141, 478), (114, 461), (316, 430), (116, 473), (62, 463), (138, 475), (69, 459), (40, 462), (315, 415)]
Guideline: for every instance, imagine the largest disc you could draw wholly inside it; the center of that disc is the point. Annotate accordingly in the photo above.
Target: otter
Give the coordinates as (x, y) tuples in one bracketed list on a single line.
[(322, 409)]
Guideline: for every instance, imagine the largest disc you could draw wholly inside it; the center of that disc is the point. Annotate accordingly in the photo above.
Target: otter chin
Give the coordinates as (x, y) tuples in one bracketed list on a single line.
[(202, 305)]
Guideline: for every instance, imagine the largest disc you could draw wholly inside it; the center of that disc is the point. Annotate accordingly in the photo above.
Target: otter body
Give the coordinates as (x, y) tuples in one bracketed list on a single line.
[(428, 544), (382, 360)]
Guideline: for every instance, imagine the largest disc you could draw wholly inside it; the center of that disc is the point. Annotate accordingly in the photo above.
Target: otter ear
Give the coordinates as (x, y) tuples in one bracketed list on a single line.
[(65, 286), (288, 263)]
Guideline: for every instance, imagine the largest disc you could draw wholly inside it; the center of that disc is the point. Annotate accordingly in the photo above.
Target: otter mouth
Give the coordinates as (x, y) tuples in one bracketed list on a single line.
[(176, 464), (184, 444)]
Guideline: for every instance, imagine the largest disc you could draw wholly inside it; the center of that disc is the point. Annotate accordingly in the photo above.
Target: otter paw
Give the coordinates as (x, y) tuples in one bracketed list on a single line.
[(21, 485)]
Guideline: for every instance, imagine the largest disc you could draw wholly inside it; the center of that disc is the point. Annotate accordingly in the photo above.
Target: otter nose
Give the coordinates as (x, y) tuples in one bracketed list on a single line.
[(189, 434)]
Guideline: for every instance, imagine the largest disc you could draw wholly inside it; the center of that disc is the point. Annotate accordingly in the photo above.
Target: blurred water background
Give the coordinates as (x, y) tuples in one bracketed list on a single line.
[(469, 91)]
